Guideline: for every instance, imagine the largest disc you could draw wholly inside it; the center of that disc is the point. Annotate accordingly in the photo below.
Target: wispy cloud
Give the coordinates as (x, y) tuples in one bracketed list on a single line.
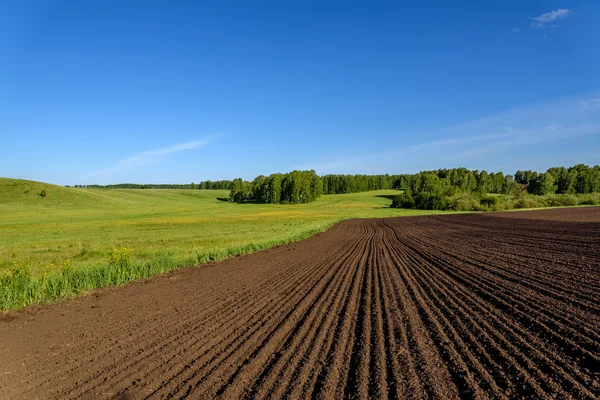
[(549, 17), (515, 30), (145, 157), (496, 142), (543, 135), (504, 132)]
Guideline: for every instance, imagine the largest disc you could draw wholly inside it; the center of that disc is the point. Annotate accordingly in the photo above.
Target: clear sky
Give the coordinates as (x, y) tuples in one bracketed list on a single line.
[(181, 91)]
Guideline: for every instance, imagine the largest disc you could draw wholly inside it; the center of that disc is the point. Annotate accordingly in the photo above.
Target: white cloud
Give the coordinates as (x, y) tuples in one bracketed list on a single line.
[(544, 19), (535, 136), (489, 142), (515, 30), (145, 157), (585, 104)]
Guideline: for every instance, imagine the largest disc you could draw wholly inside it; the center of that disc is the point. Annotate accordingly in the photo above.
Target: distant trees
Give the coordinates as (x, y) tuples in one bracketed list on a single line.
[(455, 188), (579, 179), (240, 190), (462, 189), (542, 184), (215, 185), (258, 188), (587, 180), (524, 177), (564, 180), (403, 200), (272, 188), (337, 184), (293, 187), (331, 184), (427, 191)]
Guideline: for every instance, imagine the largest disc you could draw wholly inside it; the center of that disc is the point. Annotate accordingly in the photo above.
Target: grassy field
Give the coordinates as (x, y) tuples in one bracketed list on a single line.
[(74, 240)]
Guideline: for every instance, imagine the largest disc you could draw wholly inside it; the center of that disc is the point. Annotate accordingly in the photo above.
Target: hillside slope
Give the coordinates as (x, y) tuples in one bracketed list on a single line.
[(20, 191)]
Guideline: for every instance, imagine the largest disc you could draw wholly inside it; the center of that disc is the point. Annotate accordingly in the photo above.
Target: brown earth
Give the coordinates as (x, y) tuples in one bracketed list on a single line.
[(470, 306), (580, 214)]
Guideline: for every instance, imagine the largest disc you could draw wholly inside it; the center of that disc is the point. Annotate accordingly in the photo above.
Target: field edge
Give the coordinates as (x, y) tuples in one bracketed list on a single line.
[(21, 290)]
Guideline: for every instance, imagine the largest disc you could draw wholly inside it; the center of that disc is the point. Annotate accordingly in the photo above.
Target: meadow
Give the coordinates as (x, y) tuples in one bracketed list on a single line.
[(74, 240)]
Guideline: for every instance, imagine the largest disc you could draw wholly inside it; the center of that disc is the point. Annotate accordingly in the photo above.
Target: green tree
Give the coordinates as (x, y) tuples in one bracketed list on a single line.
[(316, 186), (483, 182), (543, 184), (525, 177), (546, 183), (565, 180), (237, 190), (258, 188), (273, 188), (403, 200)]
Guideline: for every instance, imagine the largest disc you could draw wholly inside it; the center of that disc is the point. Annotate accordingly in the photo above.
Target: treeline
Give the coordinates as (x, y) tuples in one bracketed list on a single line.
[(332, 184), (213, 185), (579, 179), (338, 184), (465, 190), (137, 186), (293, 187)]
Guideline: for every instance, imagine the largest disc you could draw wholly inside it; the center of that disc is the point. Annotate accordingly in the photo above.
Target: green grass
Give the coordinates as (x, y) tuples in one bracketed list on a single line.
[(74, 240)]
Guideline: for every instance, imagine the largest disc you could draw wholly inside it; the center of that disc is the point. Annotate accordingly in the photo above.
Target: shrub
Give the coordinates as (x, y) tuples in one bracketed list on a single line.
[(430, 201), (464, 202), (530, 202), (404, 200), (43, 193), (488, 201), (589, 201), (562, 200)]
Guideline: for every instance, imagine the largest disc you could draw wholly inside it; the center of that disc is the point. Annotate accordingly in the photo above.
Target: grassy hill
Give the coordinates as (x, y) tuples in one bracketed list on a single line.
[(146, 231), (19, 192)]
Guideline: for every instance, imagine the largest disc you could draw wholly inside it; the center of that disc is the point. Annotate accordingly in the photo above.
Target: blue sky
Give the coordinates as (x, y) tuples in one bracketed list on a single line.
[(143, 91)]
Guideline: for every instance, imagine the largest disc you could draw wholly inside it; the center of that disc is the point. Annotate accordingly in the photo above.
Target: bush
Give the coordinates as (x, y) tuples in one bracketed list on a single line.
[(589, 201), (489, 201), (430, 201), (422, 201), (464, 202), (562, 200), (404, 200), (530, 202), (43, 193)]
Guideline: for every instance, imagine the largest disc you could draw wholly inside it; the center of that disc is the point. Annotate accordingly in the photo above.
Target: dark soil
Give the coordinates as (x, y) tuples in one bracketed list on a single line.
[(580, 214), (450, 306)]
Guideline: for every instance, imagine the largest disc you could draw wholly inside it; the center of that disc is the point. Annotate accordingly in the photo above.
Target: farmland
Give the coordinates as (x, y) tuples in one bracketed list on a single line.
[(105, 237), (446, 306)]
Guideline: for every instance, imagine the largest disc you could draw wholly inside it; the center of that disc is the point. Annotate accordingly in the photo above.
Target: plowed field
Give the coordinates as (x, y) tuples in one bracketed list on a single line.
[(443, 306), (580, 214)]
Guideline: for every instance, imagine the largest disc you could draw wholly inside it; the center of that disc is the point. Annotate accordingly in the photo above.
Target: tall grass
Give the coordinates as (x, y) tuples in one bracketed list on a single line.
[(19, 288)]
